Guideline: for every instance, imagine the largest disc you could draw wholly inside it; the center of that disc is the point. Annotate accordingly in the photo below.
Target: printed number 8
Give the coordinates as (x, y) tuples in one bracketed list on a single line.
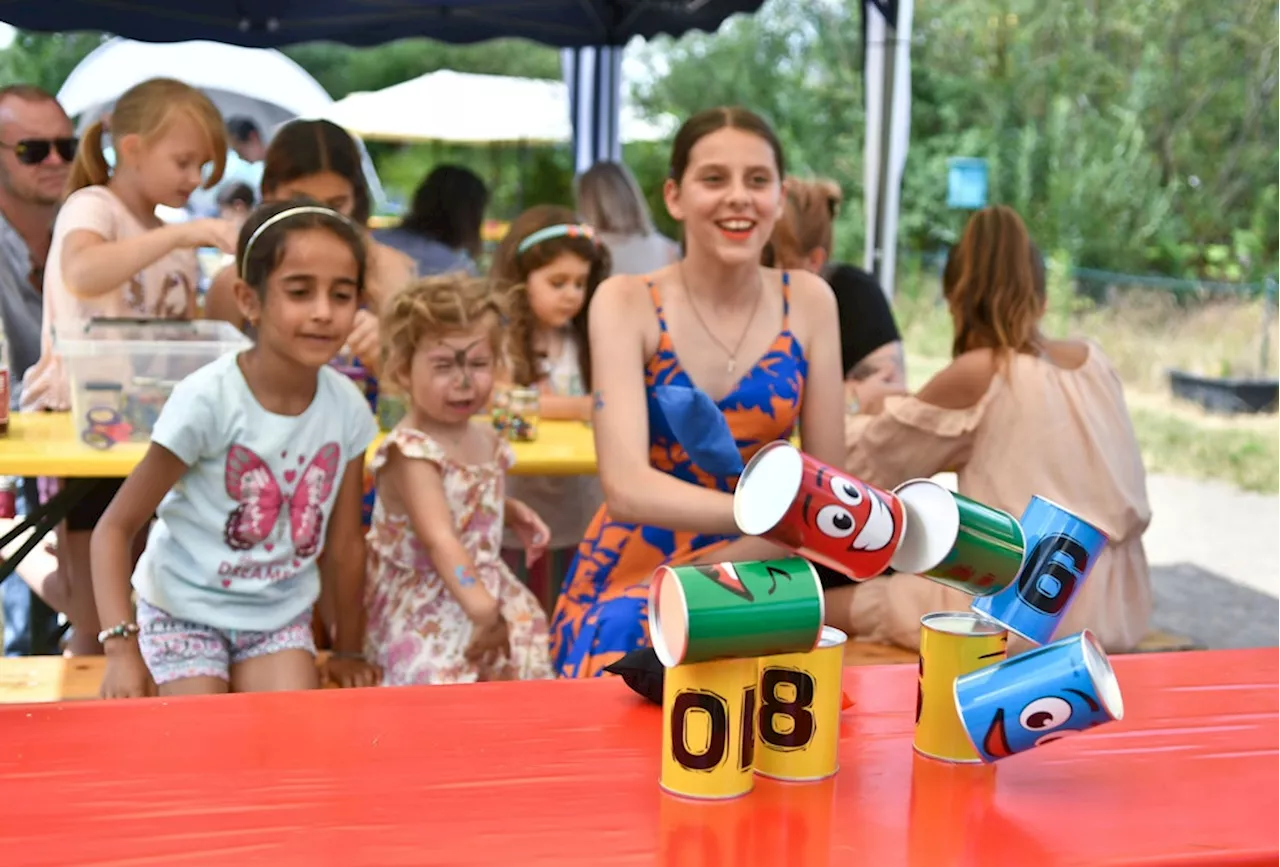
[(717, 711), (799, 709)]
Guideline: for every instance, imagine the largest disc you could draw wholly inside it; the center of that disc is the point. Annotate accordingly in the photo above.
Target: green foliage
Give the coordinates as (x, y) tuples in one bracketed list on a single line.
[(342, 70), (45, 60)]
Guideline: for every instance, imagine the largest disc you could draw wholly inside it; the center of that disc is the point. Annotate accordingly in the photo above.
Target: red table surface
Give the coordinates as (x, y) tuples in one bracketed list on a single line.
[(566, 772)]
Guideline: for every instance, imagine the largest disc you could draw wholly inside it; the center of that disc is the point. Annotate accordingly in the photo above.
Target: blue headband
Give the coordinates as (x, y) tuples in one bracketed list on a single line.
[(563, 230)]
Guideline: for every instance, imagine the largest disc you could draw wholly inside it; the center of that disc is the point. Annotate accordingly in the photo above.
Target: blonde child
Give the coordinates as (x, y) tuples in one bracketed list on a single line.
[(112, 257), (442, 606), (553, 263), (254, 475)]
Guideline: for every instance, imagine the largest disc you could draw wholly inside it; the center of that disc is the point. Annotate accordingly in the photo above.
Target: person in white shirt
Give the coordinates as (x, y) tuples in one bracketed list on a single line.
[(255, 475), (609, 199)]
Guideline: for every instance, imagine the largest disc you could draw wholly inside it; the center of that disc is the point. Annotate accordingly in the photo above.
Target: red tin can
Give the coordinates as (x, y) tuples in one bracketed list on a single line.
[(819, 512)]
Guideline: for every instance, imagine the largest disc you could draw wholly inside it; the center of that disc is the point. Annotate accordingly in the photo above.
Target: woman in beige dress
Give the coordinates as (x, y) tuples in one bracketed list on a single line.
[(1016, 414)]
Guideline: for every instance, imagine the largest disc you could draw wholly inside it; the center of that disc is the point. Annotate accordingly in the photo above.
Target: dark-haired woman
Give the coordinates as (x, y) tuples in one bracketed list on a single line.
[(442, 230), (695, 368)]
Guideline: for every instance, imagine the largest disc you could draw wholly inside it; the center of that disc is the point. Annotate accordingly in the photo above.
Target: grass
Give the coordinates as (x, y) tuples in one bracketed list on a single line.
[(1144, 334)]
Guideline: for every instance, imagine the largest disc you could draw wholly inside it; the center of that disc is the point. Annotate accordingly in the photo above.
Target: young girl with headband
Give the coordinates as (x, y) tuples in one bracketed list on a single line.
[(552, 263), (254, 475)]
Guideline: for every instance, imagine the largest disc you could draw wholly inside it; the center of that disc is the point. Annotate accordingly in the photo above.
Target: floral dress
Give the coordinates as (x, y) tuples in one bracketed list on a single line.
[(417, 631)]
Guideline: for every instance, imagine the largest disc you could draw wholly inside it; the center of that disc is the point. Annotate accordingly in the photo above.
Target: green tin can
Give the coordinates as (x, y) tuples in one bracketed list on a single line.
[(734, 610), (957, 541)]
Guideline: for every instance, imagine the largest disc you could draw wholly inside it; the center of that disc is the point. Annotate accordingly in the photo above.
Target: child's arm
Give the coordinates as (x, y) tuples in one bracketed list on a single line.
[(528, 527), (111, 549), (220, 300), (420, 488), (551, 406), (342, 573), (93, 266), (559, 407)]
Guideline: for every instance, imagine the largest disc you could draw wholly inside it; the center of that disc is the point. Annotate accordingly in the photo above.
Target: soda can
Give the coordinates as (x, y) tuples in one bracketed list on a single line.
[(818, 511), (749, 609)]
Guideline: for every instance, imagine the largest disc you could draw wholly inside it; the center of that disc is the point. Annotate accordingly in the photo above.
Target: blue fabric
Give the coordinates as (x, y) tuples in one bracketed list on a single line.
[(432, 256), (271, 23), (700, 428)]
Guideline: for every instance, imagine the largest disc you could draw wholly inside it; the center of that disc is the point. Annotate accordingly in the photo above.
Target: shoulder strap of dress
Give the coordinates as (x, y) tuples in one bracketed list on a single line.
[(656, 298), (786, 299)]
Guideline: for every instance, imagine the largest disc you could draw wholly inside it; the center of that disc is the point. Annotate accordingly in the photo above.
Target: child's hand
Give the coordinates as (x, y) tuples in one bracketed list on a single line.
[(530, 529), (211, 232), (127, 675), (364, 340), (351, 673), (489, 642)]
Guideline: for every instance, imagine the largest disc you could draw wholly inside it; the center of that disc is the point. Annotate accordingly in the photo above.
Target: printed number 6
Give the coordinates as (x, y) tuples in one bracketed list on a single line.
[(798, 709), (717, 711)]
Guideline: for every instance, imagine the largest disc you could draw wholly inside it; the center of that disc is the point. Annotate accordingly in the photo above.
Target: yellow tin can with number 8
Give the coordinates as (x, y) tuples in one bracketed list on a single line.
[(798, 723)]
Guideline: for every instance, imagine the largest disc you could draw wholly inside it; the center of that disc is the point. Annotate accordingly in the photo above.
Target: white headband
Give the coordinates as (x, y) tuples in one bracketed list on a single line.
[(284, 215)]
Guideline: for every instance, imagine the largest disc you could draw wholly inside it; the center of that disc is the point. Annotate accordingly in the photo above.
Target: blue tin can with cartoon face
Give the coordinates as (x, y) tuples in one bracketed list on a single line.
[(1038, 697), (1061, 551)]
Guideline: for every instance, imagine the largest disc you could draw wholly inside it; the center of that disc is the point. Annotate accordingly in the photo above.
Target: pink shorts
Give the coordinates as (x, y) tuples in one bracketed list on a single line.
[(175, 649)]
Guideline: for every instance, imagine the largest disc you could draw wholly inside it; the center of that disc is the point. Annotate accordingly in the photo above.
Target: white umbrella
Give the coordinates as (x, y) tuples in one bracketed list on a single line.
[(466, 108), (258, 83)]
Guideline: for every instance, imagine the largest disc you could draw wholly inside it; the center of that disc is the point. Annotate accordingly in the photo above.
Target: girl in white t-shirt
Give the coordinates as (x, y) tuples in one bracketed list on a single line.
[(111, 256), (254, 472)]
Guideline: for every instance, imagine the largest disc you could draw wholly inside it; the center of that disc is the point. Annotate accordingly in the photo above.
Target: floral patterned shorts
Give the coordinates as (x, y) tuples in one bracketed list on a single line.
[(174, 649)]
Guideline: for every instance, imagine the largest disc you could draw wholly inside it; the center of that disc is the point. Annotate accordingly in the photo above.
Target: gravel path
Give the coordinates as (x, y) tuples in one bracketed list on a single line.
[(1215, 562)]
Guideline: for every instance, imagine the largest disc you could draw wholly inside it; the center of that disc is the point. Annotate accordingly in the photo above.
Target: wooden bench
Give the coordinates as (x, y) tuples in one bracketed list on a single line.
[(27, 679)]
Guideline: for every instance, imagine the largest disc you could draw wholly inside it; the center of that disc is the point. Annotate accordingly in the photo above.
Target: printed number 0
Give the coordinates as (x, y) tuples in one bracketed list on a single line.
[(799, 709), (717, 709)]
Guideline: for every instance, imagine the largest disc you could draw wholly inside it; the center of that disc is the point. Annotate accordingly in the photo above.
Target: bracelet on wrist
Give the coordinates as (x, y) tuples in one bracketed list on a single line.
[(120, 630)]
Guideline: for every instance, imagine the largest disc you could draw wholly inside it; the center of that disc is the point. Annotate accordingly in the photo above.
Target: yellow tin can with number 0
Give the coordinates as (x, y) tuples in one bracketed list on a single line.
[(952, 643), (798, 725), (708, 728)]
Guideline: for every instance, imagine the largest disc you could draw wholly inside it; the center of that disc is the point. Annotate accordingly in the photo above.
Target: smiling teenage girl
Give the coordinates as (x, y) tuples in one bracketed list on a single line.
[(758, 346)]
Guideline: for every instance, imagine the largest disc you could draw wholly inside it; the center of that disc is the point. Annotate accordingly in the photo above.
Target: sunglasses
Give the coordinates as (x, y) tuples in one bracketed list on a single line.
[(33, 151)]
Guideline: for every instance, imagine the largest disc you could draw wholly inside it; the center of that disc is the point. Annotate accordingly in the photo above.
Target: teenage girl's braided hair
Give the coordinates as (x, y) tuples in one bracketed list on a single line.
[(435, 307)]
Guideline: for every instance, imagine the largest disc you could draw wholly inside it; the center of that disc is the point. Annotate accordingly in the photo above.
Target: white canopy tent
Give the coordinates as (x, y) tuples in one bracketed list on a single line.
[(466, 108), (258, 83)]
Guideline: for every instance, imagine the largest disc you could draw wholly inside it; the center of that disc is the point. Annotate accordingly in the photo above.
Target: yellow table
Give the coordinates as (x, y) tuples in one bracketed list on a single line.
[(45, 444)]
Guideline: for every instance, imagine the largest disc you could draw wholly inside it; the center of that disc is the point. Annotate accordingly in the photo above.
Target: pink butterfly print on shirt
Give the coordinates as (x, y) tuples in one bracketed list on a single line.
[(251, 483)]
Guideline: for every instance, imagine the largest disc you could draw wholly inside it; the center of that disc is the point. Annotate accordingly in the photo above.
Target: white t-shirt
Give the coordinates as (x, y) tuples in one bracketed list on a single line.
[(235, 542)]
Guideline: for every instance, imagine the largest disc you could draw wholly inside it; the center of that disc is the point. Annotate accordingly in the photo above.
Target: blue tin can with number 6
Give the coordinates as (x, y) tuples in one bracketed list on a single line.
[(1062, 549)]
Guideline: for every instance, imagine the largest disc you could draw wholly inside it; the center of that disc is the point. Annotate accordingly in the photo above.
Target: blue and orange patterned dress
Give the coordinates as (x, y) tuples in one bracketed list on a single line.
[(602, 613)]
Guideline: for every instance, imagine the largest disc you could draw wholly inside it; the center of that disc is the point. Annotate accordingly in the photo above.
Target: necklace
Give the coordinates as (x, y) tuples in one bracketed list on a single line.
[(732, 353)]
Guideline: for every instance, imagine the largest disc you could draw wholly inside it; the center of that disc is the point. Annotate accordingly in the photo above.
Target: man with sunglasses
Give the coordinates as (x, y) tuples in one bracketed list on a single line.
[(37, 146)]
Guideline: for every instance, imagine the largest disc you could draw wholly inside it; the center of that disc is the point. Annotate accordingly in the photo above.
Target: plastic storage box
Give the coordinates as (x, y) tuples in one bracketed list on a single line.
[(121, 372)]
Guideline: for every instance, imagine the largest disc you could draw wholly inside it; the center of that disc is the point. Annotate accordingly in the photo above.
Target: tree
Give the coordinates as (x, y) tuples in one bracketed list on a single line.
[(342, 70), (45, 59)]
